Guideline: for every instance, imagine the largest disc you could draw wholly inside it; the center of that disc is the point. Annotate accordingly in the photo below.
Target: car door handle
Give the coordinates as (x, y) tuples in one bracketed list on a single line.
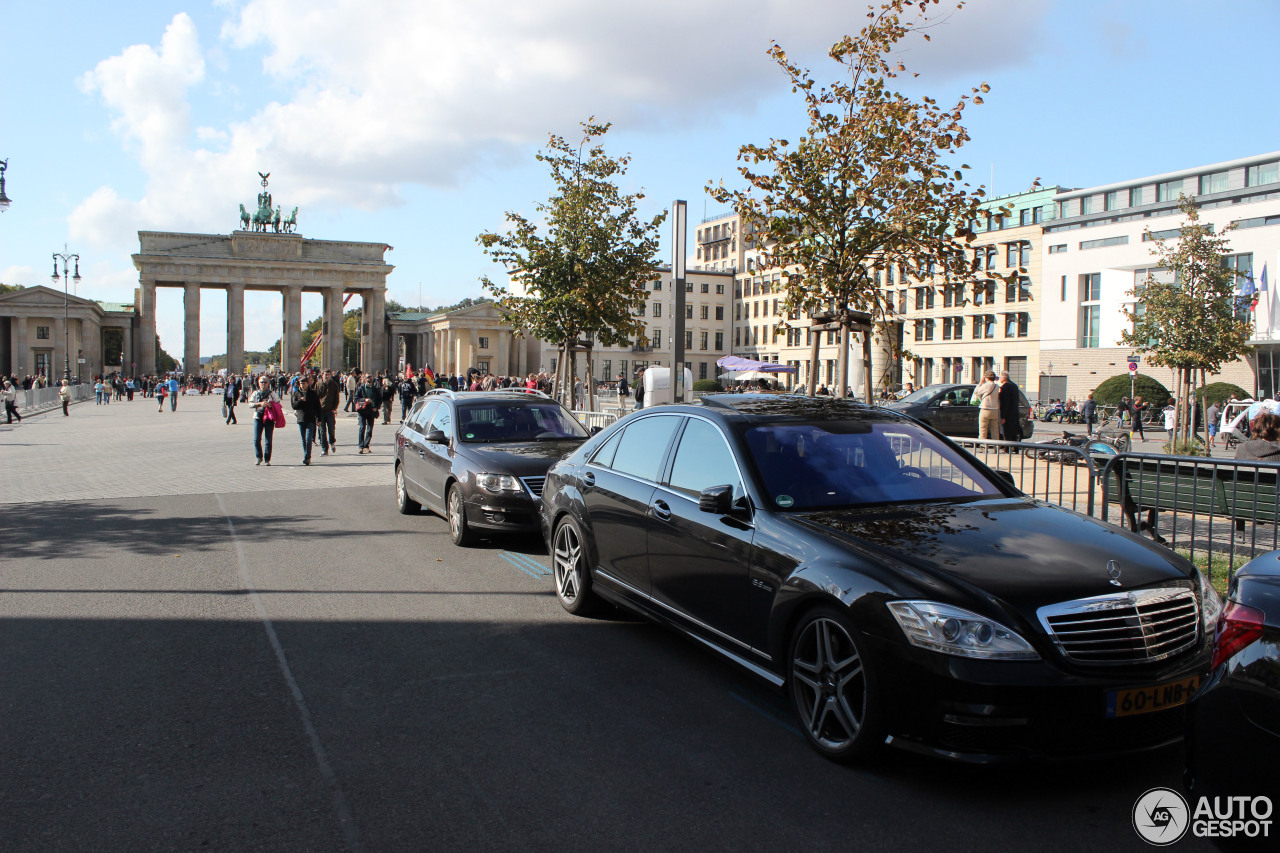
[(588, 480), (661, 510)]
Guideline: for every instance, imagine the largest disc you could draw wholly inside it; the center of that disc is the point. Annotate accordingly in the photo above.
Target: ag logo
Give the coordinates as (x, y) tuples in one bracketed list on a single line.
[(1161, 817)]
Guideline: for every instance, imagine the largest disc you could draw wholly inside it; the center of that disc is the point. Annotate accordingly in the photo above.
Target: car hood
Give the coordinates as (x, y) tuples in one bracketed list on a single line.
[(521, 459), (1018, 551)]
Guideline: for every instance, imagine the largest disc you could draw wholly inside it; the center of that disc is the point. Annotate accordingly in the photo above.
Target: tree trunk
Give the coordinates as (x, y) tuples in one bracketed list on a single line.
[(590, 386), (842, 357), (866, 366), (813, 361)]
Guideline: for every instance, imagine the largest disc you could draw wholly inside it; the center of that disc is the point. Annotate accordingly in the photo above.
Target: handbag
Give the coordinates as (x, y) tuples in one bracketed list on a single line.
[(224, 408), (277, 412)]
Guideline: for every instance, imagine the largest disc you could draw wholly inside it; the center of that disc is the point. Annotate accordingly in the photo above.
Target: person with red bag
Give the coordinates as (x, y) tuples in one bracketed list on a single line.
[(367, 401), (263, 401)]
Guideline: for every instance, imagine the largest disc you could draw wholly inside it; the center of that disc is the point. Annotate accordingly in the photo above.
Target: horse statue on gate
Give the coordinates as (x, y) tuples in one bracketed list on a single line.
[(275, 220), (262, 219), (291, 223), (244, 218)]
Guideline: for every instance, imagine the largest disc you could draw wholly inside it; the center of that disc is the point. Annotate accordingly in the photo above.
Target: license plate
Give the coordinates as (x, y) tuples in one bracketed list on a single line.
[(1145, 700)]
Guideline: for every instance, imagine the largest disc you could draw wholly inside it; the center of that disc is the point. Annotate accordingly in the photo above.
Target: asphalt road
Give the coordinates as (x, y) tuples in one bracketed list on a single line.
[(305, 669)]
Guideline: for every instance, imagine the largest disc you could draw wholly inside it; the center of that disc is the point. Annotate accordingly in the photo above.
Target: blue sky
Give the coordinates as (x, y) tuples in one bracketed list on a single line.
[(415, 122)]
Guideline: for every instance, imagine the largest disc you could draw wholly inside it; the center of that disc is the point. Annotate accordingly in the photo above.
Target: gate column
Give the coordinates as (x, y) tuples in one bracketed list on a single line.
[(235, 328), (191, 328), (147, 327), (291, 343)]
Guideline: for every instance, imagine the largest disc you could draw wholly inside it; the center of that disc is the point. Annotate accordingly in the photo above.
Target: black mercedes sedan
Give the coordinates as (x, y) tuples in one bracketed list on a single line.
[(900, 591), (1233, 742), (479, 458), (946, 408)]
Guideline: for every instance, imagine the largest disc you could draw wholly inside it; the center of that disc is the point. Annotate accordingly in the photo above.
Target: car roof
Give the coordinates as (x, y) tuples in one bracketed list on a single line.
[(775, 406)]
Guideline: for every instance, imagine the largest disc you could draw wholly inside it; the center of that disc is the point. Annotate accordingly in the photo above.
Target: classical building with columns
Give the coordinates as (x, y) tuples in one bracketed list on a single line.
[(35, 338), (260, 260), (476, 336)]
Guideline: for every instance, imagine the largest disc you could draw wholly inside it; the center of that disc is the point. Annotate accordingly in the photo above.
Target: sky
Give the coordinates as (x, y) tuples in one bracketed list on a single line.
[(415, 122)]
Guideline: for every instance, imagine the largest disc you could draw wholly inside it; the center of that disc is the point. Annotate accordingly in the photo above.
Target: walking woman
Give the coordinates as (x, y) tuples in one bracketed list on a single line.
[(263, 424), (231, 396), (64, 394), (367, 401)]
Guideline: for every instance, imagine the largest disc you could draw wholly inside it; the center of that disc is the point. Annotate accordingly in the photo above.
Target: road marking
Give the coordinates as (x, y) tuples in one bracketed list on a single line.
[(528, 565), (349, 828)]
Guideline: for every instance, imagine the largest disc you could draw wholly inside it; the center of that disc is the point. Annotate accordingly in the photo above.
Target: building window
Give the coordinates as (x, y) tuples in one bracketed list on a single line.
[(657, 285), (42, 333), (1024, 289), (1037, 215), (606, 369), (702, 370), (1017, 325), (1064, 289), (657, 338), (657, 309), (1242, 266), (1089, 316), (1086, 205), (720, 289), (484, 342), (688, 287), (1058, 249), (984, 292), (1214, 182), (719, 341), (1263, 173), (1122, 240), (902, 302), (702, 340), (1166, 234), (719, 312), (1024, 216), (1024, 253), (1111, 200), (736, 342), (1135, 197), (1091, 287), (1168, 190), (702, 312), (1011, 255), (706, 287), (928, 330), (688, 340), (688, 311), (640, 311)]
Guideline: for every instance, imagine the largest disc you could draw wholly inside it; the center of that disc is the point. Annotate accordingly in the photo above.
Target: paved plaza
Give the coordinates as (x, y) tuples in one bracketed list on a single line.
[(196, 653), (128, 449)]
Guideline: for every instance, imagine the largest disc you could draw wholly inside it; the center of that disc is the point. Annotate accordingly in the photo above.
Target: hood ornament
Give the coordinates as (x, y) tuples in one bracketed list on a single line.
[(1113, 572)]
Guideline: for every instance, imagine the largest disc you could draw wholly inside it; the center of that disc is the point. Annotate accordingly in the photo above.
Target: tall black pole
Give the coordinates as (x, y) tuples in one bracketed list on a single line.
[(678, 240), (66, 257)]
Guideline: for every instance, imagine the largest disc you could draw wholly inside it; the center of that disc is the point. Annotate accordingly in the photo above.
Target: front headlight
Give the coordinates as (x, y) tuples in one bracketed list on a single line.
[(953, 631), (498, 483), (1210, 605)]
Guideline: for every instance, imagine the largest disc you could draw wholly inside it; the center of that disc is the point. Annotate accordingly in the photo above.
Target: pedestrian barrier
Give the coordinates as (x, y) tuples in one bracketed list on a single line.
[(40, 399), (596, 419)]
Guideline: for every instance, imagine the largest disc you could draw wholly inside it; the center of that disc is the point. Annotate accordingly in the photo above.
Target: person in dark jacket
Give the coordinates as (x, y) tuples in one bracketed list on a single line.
[(408, 390), (1010, 409), (1089, 411), (306, 405), (1264, 446), (367, 402), (329, 390)]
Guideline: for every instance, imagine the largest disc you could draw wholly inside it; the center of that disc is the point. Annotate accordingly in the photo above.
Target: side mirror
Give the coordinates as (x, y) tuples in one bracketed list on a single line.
[(594, 430), (437, 436), (945, 403), (1007, 477), (716, 499)]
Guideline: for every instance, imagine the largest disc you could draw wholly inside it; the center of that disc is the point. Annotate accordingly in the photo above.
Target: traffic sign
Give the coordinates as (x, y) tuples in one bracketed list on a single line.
[(1133, 367)]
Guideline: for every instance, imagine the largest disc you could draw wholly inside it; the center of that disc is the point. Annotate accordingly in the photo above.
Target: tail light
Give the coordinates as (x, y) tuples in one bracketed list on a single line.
[(1238, 626)]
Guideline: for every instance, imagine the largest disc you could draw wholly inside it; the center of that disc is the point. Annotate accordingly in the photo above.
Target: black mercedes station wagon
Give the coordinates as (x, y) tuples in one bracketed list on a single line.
[(479, 457), (898, 589)]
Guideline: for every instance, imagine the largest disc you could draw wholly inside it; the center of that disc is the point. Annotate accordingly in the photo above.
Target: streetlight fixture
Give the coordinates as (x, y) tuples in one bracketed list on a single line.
[(4, 199), (66, 257)]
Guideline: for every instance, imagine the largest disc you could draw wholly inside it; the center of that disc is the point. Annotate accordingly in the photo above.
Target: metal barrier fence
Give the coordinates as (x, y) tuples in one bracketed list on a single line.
[(596, 419), (1056, 473), (1219, 513), (47, 398)]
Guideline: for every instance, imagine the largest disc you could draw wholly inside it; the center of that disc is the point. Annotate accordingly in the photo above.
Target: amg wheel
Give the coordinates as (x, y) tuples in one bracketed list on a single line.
[(833, 688), (573, 579), (404, 503), (458, 528)]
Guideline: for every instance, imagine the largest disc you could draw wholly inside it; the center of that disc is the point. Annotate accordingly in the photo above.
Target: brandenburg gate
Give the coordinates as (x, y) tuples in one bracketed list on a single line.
[(268, 257)]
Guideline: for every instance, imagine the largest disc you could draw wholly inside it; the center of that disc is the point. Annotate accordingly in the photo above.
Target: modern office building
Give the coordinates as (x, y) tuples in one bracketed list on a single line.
[(1098, 247)]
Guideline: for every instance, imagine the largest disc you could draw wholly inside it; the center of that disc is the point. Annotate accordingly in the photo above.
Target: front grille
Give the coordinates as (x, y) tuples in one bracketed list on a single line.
[(1126, 627), (534, 485)]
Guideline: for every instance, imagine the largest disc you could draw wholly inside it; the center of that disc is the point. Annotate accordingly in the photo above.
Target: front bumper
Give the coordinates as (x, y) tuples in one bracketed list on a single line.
[(514, 513), (990, 711)]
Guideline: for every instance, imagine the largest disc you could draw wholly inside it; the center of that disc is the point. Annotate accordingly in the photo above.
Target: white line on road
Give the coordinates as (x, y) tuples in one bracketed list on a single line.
[(349, 828)]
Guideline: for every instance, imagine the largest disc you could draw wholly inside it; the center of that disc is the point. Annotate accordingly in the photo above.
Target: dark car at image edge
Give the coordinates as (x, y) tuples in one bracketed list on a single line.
[(897, 589)]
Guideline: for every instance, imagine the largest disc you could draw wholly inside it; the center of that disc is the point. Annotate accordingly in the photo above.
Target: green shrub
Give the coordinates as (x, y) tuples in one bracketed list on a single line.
[(706, 386), (1216, 392), (1182, 447), (1109, 392)]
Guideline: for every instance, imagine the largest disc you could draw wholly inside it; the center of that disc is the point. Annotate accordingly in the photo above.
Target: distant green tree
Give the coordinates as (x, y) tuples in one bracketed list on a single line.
[(164, 361), (582, 263), (9, 288), (1189, 318)]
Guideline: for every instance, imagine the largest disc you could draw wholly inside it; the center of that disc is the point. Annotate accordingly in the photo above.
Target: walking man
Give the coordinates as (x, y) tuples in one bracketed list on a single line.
[(366, 402), (328, 391), (11, 402), (306, 405), (408, 390), (173, 393), (1010, 409), (1089, 411)]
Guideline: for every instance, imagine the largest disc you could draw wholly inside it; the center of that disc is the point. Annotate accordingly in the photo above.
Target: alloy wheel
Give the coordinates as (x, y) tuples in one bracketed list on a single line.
[(567, 554), (829, 684)]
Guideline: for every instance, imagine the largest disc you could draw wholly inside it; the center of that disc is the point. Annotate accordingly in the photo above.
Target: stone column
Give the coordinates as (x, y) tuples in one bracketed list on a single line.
[(235, 328), (191, 328), (21, 355), (472, 347), (291, 343), (332, 346), (146, 327), (57, 370), (129, 356), (522, 356), (504, 352), (376, 313)]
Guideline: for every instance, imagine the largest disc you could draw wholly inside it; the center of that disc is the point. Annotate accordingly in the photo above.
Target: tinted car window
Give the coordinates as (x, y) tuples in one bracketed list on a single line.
[(442, 420), (643, 445), (853, 463), (703, 459), (517, 421), (418, 420), (604, 456)]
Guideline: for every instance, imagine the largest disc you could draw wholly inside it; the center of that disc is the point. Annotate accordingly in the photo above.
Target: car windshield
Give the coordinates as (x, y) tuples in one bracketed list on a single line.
[(842, 463), (517, 420), (919, 396)]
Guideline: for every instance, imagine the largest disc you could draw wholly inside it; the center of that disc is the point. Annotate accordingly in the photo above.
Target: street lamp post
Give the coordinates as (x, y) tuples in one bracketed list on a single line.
[(4, 199), (66, 258)]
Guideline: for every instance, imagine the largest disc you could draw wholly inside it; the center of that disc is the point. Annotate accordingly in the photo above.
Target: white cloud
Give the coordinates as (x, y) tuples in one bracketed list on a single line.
[(391, 92), (23, 275)]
